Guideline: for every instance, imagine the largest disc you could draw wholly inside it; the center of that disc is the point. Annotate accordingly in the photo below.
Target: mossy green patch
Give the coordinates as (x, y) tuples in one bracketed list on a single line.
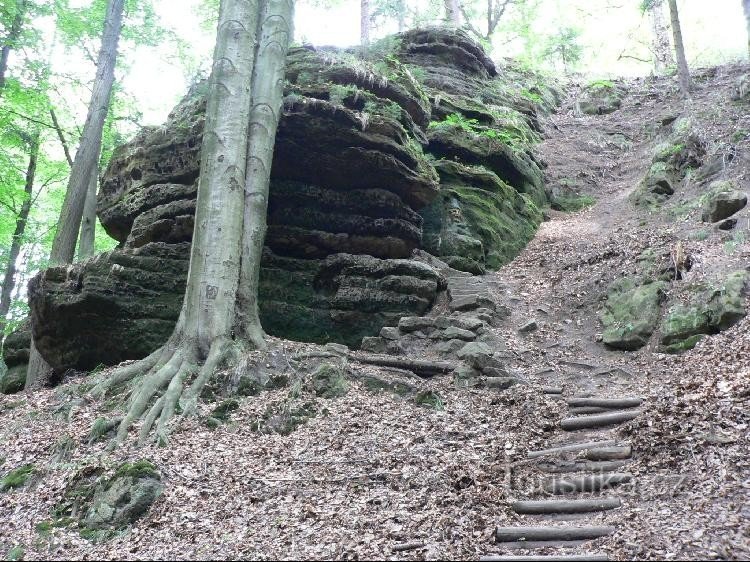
[(15, 553), (17, 478), (572, 203), (430, 399), (136, 470), (329, 381), (631, 313)]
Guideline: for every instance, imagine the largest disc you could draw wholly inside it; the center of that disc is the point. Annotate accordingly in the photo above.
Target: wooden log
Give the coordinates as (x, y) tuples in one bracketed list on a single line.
[(608, 453), (546, 558), (544, 534), (551, 390), (587, 483), (417, 366), (543, 507), (598, 420), (581, 466), (609, 403), (403, 547), (573, 447), (583, 410)]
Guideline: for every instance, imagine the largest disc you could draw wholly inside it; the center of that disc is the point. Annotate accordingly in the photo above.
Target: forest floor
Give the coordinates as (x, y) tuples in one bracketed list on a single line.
[(375, 471)]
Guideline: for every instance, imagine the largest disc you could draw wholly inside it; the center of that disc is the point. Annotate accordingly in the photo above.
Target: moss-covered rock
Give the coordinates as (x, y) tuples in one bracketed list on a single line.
[(711, 308), (17, 477), (13, 379), (631, 313), (430, 399), (601, 97), (329, 381), (124, 498), (723, 204)]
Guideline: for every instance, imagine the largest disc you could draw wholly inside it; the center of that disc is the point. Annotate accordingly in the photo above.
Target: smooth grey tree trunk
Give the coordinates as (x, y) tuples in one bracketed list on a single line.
[(66, 236), (87, 239), (683, 71), (452, 13), (9, 278), (11, 39), (268, 92), (364, 25), (746, 7), (662, 48), (219, 314)]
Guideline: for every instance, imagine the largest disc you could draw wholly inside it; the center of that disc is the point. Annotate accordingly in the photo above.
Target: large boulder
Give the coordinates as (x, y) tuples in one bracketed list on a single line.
[(710, 308), (723, 204), (631, 313), (353, 183)]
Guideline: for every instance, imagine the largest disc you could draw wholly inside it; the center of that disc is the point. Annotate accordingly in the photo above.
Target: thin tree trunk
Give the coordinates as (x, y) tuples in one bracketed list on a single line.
[(87, 238), (364, 25), (66, 237), (87, 156), (682, 66), (452, 13), (11, 39), (268, 91), (9, 279), (746, 6), (663, 58), (401, 16), (61, 136)]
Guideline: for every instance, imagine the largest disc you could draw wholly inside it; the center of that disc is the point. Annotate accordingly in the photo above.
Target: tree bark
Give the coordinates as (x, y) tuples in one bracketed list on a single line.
[(746, 6), (452, 13), (364, 25), (268, 92), (11, 39), (219, 313), (61, 136), (9, 279), (66, 237), (683, 71), (663, 58), (87, 156), (87, 237)]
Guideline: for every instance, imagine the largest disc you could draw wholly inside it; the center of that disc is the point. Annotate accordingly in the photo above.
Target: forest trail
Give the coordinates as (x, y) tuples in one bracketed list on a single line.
[(409, 467)]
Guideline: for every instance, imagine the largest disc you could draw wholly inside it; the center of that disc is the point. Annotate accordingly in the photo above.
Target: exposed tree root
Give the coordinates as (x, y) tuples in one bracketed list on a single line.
[(166, 382)]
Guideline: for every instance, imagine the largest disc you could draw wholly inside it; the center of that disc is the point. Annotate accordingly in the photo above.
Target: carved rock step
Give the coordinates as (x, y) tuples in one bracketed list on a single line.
[(587, 483), (549, 534), (545, 558), (572, 448), (598, 420), (548, 507)]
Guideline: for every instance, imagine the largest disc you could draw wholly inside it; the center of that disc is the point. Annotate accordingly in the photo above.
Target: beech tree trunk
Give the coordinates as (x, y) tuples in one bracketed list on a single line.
[(66, 237), (219, 316), (452, 13), (364, 25), (683, 71), (746, 6), (663, 58), (87, 237), (11, 39), (9, 279)]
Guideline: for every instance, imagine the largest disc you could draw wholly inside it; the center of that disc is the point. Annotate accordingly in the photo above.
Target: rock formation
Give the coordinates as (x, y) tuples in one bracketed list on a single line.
[(430, 147)]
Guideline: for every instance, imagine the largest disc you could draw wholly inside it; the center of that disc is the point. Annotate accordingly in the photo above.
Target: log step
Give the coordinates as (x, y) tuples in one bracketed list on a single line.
[(608, 453), (549, 507), (572, 448), (609, 403), (416, 366), (547, 534), (598, 420), (581, 466), (547, 558), (587, 483), (552, 390)]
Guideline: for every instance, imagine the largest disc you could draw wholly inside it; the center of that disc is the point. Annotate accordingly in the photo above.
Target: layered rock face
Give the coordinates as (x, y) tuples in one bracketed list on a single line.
[(422, 149)]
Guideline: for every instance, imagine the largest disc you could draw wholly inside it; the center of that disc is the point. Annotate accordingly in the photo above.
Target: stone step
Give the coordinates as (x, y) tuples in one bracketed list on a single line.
[(549, 507), (599, 420), (608, 403), (550, 534), (586, 483), (546, 558), (571, 448)]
